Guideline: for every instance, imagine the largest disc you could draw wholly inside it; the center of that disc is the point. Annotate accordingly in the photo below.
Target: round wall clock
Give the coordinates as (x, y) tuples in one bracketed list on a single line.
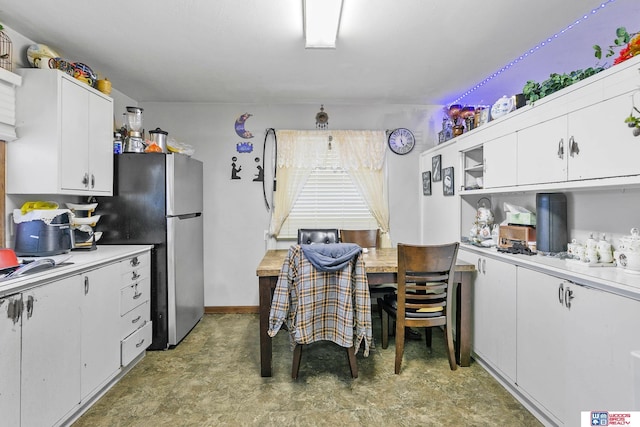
[(401, 141), (322, 119)]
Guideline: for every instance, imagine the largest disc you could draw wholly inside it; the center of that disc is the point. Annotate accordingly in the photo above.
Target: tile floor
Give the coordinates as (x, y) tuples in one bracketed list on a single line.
[(213, 379)]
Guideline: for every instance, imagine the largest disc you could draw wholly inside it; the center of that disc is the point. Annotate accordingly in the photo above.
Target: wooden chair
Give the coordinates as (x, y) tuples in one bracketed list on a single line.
[(321, 319), (369, 239), (425, 293), (307, 236)]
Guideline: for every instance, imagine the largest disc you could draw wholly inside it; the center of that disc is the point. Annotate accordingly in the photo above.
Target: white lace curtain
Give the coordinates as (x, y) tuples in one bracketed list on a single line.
[(360, 152)]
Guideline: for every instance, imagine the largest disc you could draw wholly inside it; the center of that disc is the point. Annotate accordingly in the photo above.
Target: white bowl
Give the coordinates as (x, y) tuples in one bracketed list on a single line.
[(91, 220), (81, 206)]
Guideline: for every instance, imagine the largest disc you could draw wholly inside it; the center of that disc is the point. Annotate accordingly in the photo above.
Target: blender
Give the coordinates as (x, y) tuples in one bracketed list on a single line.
[(134, 143)]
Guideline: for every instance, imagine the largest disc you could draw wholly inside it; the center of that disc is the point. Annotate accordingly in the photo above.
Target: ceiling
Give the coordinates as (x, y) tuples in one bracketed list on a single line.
[(388, 51)]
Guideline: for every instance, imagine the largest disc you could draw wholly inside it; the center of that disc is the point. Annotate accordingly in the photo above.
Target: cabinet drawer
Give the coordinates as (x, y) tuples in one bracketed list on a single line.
[(134, 319), (131, 296), (136, 343), (140, 262)]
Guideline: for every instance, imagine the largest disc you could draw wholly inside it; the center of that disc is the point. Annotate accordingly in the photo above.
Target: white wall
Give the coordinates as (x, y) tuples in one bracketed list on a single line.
[(234, 210)]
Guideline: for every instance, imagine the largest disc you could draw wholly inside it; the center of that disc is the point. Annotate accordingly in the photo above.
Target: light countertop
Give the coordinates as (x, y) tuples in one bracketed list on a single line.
[(79, 261)]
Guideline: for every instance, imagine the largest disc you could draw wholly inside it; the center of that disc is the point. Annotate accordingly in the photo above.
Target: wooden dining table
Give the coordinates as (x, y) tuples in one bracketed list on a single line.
[(381, 266)]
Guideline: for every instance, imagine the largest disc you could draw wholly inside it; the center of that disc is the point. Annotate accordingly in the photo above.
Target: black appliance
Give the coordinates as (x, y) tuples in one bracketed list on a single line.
[(39, 237), (551, 225), (157, 199)]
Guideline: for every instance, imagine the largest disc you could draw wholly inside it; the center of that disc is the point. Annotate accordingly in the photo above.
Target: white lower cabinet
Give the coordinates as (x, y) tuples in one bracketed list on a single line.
[(574, 346), (494, 313), (541, 358), (61, 343), (100, 328), (50, 383), (603, 327), (10, 337), (135, 328)]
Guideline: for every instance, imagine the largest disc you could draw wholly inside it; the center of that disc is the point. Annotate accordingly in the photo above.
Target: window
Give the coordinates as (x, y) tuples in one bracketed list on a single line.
[(329, 199)]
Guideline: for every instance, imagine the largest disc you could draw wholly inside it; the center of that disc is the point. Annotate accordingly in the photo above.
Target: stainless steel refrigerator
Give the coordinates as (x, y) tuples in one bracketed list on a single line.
[(157, 199)]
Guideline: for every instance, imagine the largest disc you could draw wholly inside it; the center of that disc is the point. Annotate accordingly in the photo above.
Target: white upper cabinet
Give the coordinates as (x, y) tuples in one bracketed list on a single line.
[(65, 131), (592, 142)]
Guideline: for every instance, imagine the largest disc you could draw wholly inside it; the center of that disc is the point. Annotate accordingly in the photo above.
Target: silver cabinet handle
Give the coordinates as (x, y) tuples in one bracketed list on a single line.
[(29, 306), (573, 147), (136, 320), (478, 265), (93, 181), (134, 262), (86, 285), (136, 294), (140, 343), (561, 148), (561, 294), (568, 296), (484, 266), (135, 275)]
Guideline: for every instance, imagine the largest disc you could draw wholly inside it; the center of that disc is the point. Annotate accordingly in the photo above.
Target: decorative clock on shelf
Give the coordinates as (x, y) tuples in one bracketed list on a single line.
[(401, 141)]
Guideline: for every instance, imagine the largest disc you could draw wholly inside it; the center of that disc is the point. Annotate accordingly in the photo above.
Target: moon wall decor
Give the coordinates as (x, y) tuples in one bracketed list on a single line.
[(240, 130)]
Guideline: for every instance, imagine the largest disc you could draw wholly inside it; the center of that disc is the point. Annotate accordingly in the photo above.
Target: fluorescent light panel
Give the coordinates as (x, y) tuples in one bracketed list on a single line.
[(321, 22)]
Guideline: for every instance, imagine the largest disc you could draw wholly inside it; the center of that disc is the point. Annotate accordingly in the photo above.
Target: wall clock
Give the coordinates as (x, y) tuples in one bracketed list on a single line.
[(401, 141), (322, 119)]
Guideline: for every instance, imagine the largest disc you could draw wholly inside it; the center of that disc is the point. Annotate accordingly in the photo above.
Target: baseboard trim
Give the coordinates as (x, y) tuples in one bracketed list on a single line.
[(242, 309)]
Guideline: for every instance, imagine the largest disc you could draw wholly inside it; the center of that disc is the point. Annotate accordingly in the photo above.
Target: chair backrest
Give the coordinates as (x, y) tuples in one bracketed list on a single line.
[(364, 238), (425, 280), (307, 236)]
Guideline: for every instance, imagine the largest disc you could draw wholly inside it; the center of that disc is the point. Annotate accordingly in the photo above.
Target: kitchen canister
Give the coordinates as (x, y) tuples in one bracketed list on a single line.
[(159, 137)]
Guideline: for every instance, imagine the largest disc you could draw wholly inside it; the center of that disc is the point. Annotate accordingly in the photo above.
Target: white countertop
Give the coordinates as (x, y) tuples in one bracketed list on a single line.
[(79, 261), (611, 279)]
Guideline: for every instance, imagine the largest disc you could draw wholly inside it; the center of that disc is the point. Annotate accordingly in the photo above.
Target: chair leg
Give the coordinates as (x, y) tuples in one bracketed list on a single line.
[(399, 345), (450, 350), (385, 329), (428, 337), (353, 365), (297, 356)]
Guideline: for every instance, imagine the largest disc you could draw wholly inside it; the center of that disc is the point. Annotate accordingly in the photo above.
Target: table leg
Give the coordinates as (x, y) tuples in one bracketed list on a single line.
[(265, 286), (463, 318)]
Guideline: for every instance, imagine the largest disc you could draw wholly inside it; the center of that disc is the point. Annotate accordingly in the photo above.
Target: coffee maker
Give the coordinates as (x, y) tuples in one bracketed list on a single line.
[(134, 142)]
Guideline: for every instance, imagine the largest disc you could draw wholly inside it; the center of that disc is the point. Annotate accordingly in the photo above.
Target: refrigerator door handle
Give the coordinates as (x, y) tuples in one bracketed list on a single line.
[(186, 216)]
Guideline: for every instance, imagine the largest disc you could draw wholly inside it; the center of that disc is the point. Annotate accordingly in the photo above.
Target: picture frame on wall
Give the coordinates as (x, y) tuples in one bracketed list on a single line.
[(426, 183), (436, 168), (448, 181)]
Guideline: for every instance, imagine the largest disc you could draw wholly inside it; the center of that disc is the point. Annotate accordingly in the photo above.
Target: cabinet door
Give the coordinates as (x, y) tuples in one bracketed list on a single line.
[(100, 327), (494, 312), (74, 128), (495, 315), (500, 158), (51, 352), (10, 360), (100, 144), (604, 150), (541, 361), (543, 150), (602, 330)]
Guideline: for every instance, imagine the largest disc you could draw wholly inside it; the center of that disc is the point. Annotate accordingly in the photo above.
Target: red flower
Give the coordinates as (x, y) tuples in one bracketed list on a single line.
[(629, 51)]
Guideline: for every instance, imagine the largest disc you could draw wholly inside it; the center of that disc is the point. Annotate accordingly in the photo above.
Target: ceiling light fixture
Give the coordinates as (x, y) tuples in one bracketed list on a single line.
[(321, 22), (530, 52)]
